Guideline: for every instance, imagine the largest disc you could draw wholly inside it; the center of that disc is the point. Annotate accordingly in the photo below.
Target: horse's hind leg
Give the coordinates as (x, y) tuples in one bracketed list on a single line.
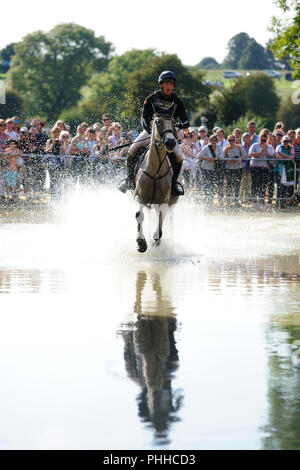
[(141, 242), (161, 211)]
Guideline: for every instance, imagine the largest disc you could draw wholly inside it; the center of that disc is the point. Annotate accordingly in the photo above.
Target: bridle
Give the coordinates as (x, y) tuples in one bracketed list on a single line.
[(157, 144)]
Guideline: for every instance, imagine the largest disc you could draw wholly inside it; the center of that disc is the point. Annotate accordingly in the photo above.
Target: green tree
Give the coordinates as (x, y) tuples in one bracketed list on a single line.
[(208, 63), (5, 57), (289, 113), (230, 103), (107, 92), (49, 69), (260, 94), (129, 78), (13, 104), (286, 31), (235, 47), (253, 57)]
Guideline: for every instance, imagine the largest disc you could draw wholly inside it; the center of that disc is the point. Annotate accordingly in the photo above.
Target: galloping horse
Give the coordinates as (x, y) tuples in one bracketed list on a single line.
[(154, 177)]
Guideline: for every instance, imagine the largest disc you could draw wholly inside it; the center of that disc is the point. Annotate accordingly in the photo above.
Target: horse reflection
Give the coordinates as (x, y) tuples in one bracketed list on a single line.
[(151, 358)]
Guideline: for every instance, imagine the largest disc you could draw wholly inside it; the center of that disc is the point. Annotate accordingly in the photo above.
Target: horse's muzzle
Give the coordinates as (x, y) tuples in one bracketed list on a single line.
[(170, 144)]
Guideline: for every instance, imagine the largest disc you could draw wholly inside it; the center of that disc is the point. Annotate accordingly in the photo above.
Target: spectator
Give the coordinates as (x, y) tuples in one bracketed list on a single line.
[(195, 142), (189, 159), (11, 134), (3, 143), (245, 189), (106, 121), (23, 145), (271, 140), (210, 158), (53, 151), (260, 152), (60, 124), (237, 135), (41, 137), (91, 140), (36, 168), (202, 132), (251, 126), (114, 138), (279, 135), (297, 159), (221, 140), (79, 151), (65, 160), (11, 168), (292, 136), (279, 126), (285, 154), (16, 124), (233, 155)]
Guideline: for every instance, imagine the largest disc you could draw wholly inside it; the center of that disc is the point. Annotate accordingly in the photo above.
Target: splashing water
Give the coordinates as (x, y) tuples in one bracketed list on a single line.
[(98, 226)]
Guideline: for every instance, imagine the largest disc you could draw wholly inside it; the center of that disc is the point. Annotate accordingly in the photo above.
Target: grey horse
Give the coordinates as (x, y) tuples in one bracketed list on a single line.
[(154, 177)]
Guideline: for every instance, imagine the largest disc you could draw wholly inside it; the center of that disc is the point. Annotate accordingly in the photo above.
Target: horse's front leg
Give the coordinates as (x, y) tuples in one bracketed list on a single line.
[(141, 242), (161, 212)]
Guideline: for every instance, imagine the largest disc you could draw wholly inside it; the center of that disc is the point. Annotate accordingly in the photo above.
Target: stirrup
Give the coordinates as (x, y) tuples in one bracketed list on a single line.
[(177, 189)]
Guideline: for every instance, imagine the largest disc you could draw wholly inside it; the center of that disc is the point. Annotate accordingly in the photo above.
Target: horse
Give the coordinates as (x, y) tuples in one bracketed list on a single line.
[(154, 177)]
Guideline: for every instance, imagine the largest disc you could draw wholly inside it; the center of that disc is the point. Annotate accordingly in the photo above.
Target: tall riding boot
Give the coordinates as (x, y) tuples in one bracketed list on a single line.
[(176, 189), (128, 183)]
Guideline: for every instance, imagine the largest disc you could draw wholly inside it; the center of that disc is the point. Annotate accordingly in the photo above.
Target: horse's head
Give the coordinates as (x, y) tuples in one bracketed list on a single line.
[(164, 129)]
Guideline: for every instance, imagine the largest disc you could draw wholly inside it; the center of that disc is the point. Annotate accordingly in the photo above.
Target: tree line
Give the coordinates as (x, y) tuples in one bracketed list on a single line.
[(71, 74)]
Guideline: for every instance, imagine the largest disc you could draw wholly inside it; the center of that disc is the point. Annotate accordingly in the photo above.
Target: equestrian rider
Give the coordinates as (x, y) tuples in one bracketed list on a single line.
[(158, 102)]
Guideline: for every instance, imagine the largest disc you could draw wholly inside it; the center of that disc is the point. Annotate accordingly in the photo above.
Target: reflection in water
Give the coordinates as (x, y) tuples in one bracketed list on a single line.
[(151, 358)]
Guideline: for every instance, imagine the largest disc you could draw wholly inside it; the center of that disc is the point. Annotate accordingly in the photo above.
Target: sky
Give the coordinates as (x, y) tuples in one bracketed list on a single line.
[(191, 29)]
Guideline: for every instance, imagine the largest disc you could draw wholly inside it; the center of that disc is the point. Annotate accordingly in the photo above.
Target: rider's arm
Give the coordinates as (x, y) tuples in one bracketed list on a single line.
[(181, 114), (147, 115)]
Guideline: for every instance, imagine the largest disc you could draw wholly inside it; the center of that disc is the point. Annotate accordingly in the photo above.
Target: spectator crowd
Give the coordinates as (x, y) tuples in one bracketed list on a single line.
[(252, 166)]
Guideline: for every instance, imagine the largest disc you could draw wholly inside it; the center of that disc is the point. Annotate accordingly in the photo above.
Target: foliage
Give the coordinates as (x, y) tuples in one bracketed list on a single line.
[(208, 63), (230, 103), (235, 47), (131, 77), (5, 57), (255, 95), (289, 113), (253, 57), (209, 112), (48, 69), (13, 104), (242, 122), (286, 30), (260, 94)]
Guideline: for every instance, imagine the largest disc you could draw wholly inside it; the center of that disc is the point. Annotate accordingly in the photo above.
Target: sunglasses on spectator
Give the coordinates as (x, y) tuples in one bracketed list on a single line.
[(263, 140), (231, 140)]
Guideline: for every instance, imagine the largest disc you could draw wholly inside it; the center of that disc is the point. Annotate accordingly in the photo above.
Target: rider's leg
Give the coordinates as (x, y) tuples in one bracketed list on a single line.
[(177, 161), (132, 159)]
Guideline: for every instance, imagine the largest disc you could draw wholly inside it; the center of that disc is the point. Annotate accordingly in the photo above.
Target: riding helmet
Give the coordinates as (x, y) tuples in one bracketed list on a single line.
[(167, 76)]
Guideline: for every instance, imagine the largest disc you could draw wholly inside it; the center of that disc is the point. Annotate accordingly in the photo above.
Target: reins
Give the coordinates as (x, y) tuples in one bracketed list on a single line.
[(155, 177)]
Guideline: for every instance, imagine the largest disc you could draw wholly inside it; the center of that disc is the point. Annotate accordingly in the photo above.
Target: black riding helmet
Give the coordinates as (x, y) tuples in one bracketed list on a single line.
[(167, 76)]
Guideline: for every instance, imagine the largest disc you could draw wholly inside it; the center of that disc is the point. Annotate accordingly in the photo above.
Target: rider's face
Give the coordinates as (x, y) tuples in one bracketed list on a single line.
[(167, 87)]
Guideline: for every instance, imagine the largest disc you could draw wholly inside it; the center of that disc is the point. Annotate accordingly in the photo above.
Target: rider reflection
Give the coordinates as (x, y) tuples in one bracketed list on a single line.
[(151, 358)]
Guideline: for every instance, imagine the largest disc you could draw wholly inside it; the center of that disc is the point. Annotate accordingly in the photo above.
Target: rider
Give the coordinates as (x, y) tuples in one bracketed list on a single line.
[(158, 102)]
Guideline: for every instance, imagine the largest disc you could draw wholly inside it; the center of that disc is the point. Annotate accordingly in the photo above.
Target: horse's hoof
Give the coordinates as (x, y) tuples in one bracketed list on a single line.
[(142, 245), (156, 242)]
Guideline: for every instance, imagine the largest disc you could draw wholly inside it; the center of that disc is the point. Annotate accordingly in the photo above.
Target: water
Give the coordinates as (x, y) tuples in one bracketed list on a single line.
[(192, 345)]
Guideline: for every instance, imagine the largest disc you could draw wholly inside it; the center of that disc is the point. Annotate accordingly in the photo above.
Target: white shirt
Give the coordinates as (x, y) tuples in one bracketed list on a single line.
[(260, 162), (12, 135), (205, 152)]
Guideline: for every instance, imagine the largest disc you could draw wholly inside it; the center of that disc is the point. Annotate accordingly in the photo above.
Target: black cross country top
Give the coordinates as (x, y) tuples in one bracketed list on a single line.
[(158, 102)]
